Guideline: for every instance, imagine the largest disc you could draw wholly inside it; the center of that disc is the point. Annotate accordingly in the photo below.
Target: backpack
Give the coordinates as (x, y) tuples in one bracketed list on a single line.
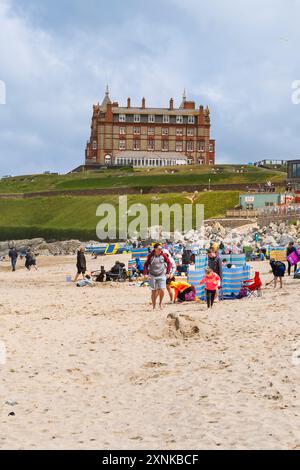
[(191, 296)]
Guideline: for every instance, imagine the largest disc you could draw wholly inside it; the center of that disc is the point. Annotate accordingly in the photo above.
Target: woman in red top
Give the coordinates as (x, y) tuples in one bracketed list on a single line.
[(211, 282)]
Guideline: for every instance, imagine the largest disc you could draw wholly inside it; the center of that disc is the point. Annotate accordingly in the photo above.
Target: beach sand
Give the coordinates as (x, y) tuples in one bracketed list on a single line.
[(96, 368)]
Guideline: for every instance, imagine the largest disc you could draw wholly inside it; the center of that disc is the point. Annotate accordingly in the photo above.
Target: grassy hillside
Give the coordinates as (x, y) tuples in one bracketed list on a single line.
[(65, 217), (142, 178)]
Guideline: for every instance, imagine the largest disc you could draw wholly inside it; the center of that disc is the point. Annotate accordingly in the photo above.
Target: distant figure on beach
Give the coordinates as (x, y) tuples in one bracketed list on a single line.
[(156, 269), (30, 260), (211, 281), (13, 255), (290, 250), (81, 264)]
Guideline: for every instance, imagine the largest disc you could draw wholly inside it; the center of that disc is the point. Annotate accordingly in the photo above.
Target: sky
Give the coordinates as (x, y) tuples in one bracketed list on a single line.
[(240, 58)]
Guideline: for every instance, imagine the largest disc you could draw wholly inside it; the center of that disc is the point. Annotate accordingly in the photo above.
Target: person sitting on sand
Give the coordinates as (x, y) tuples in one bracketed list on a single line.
[(211, 282), (156, 269), (85, 282), (278, 269), (81, 264)]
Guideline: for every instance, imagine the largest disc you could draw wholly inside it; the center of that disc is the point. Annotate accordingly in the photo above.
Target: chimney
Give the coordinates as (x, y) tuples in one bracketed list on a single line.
[(128, 103), (171, 104), (143, 103)]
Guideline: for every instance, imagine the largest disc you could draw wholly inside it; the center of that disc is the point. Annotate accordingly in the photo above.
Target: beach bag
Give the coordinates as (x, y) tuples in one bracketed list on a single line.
[(191, 296), (243, 293), (294, 258)]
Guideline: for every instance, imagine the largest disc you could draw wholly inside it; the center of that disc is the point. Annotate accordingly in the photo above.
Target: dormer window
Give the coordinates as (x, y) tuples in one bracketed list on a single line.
[(151, 118), (122, 117), (137, 118), (179, 119)]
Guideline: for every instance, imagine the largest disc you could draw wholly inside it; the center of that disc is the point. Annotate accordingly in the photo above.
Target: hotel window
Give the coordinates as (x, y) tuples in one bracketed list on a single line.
[(190, 132), (151, 131), (95, 145), (122, 117), (179, 146), (179, 119), (136, 145), (151, 118), (122, 145), (166, 119), (179, 132), (165, 131), (201, 146), (122, 130), (191, 120), (211, 148), (137, 130), (190, 146), (165, 146), (150, 145), (137, 118)]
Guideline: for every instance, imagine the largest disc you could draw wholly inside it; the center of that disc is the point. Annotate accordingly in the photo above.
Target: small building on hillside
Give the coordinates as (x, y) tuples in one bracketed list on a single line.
[(254, 201)]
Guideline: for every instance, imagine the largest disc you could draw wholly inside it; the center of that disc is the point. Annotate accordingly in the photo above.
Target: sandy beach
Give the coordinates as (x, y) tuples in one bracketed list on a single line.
[(96, 368)]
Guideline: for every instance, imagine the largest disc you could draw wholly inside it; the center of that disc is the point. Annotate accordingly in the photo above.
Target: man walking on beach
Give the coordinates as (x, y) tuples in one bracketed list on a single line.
[(156, 269), (13, 254)]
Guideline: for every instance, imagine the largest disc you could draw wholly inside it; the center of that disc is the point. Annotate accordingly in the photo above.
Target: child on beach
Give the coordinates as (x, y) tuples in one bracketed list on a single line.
[(278, 270), (211, 282)]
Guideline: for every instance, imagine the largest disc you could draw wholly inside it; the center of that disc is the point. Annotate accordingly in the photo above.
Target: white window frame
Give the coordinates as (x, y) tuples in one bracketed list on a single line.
[(162, 146), (122, 117), (95, 145), (166, 119), (191, 119), (136, 131), (151, 118), (152, 146), (151, 130), (122, 144), (179, 119), (201, 146), (136, 145), (179, 146), (190, 146), (190, 132), (165, 131), (137, 118), (179, 132), (122, 131), (211, 148)]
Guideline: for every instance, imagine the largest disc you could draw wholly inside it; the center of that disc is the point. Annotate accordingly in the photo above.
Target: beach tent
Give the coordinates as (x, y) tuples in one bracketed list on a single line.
[(98, 249), (232, 280)]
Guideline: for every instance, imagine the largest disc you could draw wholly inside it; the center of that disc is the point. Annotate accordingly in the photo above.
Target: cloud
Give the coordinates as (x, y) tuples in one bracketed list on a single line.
[(56, 58)]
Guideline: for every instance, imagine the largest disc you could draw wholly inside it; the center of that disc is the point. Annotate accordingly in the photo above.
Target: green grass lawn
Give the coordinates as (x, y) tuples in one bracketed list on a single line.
[(64, 217), (142, 178)]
